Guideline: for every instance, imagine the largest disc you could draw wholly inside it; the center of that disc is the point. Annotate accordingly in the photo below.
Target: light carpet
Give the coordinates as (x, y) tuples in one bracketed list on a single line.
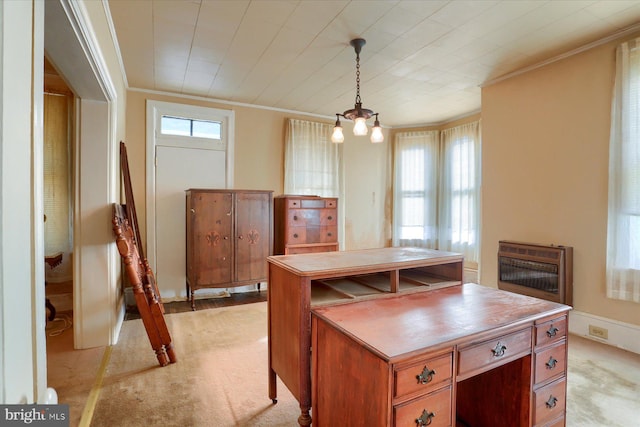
[(220, 378), (603, 385)]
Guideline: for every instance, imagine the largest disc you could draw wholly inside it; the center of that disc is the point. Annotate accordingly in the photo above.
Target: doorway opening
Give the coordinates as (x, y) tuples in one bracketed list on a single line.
[(58, 201)]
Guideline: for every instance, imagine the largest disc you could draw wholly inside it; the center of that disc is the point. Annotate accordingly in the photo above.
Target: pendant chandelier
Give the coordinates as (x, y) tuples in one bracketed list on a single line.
[(358, 114)]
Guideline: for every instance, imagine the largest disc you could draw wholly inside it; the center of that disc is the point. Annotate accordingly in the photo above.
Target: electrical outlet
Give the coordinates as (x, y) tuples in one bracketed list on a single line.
[(598, 332)]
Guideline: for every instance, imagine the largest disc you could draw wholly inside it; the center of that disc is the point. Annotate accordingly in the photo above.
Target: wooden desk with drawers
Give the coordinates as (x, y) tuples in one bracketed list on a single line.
[(465, 355), (300, 282)]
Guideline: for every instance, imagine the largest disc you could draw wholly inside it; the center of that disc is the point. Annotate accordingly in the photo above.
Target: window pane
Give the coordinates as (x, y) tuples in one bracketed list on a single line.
[(634, 243), (190, 127), (412, 218), (175, 126), (413, 170), (204, 129)]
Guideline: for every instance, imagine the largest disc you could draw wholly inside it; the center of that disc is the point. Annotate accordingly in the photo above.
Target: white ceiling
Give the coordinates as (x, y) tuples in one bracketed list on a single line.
[(424, 61)]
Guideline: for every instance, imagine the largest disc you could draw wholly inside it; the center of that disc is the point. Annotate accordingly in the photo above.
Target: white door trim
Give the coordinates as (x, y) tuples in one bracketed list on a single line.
[(156, 109)]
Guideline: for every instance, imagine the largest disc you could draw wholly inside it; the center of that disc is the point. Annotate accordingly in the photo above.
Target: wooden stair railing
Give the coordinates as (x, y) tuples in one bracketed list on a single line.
[(138, 271)]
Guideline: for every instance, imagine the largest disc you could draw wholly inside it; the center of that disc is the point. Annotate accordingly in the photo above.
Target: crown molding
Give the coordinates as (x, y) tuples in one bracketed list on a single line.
[(611, 37)]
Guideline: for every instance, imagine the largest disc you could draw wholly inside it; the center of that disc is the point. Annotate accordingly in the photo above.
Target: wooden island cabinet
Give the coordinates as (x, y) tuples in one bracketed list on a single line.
[(300, 282), (467, 355)]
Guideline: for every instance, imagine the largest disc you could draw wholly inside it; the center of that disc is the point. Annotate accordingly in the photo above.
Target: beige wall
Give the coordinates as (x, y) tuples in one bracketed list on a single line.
[(545, 138), (259, 163)]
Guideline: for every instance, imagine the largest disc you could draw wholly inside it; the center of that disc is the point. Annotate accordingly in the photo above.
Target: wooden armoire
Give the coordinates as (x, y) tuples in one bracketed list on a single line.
[(229, 236)]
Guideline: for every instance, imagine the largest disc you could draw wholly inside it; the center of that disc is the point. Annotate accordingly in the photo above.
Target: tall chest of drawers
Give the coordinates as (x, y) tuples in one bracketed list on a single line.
[(305, 224)]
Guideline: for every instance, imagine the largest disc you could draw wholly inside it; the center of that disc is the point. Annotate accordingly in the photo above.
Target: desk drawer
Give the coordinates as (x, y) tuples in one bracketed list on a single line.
[(558, 422), (433, 410), (551, 331), (423, 377), (550, 402), (312, 217), (550, 362), (494, 352)]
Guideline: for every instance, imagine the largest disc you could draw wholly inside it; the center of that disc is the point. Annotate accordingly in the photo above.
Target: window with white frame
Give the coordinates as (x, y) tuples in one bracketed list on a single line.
[(437, 190), (623, 231), (416, 189)]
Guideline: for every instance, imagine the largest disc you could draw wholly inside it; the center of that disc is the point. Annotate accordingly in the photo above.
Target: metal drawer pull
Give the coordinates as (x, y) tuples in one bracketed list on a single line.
[(551, 403), (295, 217), (295, 235), (426, 375), (552, 331), (330, 218), (551, 363), (425, 419), (499, 350)]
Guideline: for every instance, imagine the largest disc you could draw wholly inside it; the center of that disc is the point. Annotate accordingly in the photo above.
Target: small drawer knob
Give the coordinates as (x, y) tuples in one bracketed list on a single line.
[(330, 217), (499, 350), (552, 331), (295, 235), (295, 217), (426, 375), (425, 419)]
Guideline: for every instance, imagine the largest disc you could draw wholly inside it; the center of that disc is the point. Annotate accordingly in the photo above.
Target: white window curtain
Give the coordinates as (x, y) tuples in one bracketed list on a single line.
[(415, 213), (623, 233), (57, 187), (437, 190), (312, 164), (459, 206)]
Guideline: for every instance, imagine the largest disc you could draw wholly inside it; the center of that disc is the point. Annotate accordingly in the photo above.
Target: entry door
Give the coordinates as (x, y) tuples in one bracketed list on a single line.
[(177, 162), (177, 170)]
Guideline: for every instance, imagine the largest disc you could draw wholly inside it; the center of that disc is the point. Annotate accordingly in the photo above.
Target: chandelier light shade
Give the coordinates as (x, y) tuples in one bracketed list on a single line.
[(357, 114), (337, 135), (376, 132)]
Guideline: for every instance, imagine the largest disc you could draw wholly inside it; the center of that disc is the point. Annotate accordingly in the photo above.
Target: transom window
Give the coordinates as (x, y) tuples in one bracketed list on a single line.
[(171, 125)]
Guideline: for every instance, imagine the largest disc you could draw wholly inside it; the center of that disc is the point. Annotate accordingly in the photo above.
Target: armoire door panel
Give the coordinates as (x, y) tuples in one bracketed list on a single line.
[(212, 229), (252, 234)]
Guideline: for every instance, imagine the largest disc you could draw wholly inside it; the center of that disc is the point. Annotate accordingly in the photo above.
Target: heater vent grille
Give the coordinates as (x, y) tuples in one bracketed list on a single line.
[(543, 271)]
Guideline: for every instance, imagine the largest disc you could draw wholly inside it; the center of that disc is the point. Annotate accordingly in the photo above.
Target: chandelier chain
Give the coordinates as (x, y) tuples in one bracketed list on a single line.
[(358, 100)]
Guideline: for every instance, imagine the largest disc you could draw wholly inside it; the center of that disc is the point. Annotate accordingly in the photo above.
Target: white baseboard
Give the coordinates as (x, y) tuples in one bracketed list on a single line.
[(622, 335), (203, 293)]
